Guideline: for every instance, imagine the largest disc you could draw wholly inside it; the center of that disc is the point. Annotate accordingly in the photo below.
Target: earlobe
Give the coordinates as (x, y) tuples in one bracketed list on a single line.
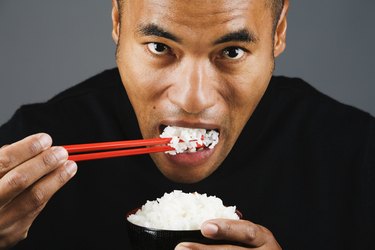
[(280, 32), (115, 21)]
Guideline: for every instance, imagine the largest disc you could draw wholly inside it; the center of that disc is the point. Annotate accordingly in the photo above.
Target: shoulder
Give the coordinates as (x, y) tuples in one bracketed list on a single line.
[(342, 135), (319, 121), (107, 81), (101, 89), (84, 108), (297, 95)]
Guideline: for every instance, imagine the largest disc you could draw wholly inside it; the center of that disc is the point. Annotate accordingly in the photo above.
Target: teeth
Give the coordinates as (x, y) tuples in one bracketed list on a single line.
[(186, 139)]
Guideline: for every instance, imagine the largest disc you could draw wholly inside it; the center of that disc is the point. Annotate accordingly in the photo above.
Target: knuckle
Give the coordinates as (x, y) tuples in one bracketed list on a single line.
[(50, 159), (63, 177), (35, 147), (53, 156), (5, 162), (37, 198), (17, 181), (42, 163), (36, 211), (252, 232)]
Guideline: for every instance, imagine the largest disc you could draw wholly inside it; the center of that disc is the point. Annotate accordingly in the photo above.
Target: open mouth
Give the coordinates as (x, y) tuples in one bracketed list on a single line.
[(189, 140)]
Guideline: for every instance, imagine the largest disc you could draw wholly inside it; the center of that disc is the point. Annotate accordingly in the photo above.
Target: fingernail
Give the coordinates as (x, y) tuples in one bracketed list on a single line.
[(45, 140), (182, 246), (71, 168), (210, 229)]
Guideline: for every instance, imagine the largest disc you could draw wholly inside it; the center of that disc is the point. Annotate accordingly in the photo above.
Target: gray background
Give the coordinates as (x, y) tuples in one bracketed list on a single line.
[(49, 45)]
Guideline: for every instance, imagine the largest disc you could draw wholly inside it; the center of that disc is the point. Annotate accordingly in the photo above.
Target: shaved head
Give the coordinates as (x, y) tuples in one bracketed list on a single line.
[(275, 5)]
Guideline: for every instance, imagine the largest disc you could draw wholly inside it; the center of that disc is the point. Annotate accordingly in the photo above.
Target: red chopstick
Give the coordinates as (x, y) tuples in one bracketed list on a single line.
[(112, 149), (90, 147)]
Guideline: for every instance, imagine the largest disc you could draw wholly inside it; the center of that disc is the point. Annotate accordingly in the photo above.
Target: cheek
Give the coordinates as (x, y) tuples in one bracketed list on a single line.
[(259, 72), (134, 76), (246, 90), (143, 84), (144, 78)]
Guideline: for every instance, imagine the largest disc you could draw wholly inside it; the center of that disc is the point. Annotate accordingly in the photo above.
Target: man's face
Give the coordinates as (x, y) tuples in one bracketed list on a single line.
[(195, 64)]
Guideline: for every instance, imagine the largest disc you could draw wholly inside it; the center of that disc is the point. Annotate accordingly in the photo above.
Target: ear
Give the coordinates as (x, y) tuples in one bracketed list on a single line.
[(280, 32), (115, 21)]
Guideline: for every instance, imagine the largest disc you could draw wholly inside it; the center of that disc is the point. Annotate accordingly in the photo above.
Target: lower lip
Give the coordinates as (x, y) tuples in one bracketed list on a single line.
[(191, 159)]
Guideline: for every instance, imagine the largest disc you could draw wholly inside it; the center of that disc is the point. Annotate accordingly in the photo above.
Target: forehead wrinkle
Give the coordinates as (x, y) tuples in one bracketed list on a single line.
[(199, 23), (195, 13), (212, 19), (223, 11)]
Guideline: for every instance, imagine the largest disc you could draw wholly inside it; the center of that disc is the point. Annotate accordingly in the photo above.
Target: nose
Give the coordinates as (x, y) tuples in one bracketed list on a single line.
[(193, 88)]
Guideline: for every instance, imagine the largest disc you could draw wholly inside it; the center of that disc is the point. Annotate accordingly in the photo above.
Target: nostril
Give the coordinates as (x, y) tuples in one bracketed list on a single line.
[(161, 128)]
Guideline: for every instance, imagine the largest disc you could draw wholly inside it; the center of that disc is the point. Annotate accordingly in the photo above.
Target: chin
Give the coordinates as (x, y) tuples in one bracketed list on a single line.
[(188, 178), (181, 173)]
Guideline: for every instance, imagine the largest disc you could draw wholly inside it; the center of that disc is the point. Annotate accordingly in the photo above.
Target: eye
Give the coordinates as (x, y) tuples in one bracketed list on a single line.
[(233, 53), (158, 48)]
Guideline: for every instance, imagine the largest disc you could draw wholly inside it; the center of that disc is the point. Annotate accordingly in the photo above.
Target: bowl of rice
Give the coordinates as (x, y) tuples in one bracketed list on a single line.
[(175, 217)]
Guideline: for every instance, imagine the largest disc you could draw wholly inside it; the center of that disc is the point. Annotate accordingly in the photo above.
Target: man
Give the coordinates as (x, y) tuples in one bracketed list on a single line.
[(297, 164)]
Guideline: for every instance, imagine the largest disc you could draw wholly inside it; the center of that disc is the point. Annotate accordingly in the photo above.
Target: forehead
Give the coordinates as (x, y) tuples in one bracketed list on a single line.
[(198, 17)]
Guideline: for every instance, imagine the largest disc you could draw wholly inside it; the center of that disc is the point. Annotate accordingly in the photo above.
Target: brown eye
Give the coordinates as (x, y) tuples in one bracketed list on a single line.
[(158, 48), (233, 53)]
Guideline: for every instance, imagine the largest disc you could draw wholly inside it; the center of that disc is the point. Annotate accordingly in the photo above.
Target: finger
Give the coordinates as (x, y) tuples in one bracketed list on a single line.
[(197, 246), (19, 152), (30, 203), (20, 178), (238, 231)]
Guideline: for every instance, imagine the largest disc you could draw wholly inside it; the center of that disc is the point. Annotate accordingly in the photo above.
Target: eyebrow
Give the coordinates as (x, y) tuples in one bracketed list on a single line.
[(155, 30), (243, 35)]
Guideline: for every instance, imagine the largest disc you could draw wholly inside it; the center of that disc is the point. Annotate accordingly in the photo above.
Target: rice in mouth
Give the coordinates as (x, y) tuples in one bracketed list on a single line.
[(181, 211), (188, 139)]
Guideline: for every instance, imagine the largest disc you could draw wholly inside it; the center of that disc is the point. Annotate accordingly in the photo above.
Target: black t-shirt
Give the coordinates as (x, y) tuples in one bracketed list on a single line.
[(303, 167)]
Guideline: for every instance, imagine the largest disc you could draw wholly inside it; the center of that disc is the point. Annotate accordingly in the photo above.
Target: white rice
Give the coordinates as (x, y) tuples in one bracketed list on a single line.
[(187, 139), (181, 211)]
